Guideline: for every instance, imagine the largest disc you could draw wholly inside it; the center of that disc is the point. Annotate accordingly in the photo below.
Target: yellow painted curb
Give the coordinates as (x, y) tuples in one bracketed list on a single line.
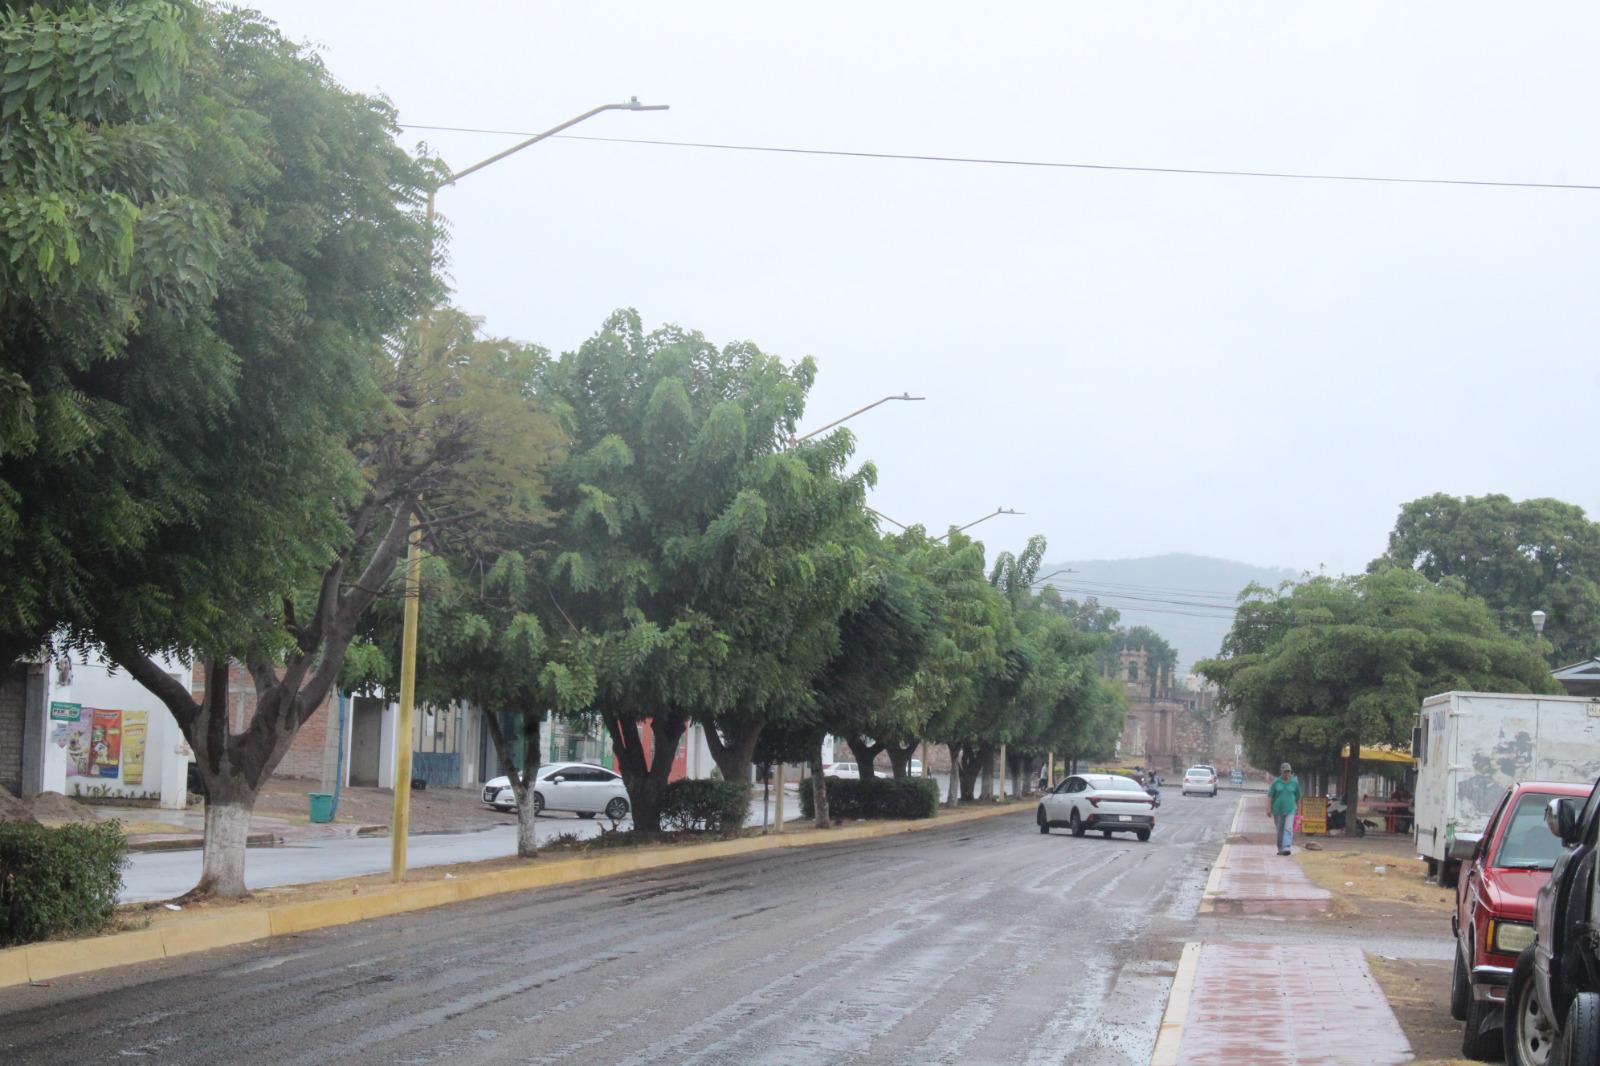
[(1171, 1033), (64, 957), (1214, 882), (42, 962)]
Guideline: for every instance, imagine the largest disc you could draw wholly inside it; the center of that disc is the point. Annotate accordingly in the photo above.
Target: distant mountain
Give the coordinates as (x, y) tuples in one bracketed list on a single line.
[(1185, 598)]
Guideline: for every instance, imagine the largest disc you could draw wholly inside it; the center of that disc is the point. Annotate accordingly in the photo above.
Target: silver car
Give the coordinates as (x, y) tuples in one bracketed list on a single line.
[(1200, 780), (584, 789)]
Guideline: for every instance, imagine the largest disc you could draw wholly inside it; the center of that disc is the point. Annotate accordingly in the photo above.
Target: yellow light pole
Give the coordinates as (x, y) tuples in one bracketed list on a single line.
[(408, 639)]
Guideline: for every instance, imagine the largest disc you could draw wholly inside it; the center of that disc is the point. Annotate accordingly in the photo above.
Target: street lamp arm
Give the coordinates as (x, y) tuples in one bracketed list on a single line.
[(852, 414), (886, 518), (632, 104), (992, 514)]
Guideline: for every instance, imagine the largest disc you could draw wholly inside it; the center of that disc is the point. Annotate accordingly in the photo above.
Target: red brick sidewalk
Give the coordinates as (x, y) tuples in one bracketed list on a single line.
[(1255, 879), (1268, 1003)]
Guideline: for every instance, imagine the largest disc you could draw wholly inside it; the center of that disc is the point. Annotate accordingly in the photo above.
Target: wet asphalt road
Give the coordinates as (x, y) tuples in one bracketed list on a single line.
[(976, 943)]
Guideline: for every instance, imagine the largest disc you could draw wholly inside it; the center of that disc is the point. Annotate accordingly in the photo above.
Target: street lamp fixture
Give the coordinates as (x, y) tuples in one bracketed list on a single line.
[(997, 512), (408, 639), (1538, 622), (793, 441)]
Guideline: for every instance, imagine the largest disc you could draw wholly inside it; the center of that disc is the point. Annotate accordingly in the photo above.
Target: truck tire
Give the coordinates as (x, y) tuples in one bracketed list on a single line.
[(1529, 1034), (1460, 988), (1580, 1037), (1480, 1039), (1449, 870)]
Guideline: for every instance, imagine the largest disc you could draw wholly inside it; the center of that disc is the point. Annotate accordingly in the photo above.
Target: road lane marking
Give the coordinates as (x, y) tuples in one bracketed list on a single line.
[(1171, 1034)]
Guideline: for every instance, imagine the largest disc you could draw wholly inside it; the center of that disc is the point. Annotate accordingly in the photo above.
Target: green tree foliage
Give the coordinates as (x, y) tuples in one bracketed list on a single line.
[(1309, 668), (699, 553), (1518, 557), (197, 230)]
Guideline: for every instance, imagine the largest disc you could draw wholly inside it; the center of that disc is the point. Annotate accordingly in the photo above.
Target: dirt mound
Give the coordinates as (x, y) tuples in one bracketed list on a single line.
[(13, 809), (54, 807)]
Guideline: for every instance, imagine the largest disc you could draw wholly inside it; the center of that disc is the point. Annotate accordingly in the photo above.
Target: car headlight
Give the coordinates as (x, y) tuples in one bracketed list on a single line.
[(1509, 938)]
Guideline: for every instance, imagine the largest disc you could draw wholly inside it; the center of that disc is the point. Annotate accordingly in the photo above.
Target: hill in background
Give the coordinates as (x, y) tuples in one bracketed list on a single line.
[(1185, 598)]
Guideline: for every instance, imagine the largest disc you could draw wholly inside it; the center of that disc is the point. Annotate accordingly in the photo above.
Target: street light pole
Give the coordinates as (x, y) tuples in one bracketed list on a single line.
[(858, 411), (992, 514), (1538, 631), (408, 638)]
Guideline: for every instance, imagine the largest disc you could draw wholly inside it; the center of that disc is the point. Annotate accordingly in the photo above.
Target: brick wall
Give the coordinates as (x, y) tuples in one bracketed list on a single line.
[(13, 702), (309, 754)]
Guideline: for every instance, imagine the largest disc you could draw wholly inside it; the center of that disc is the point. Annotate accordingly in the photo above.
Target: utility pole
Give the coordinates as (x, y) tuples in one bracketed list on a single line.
[(777, 817)]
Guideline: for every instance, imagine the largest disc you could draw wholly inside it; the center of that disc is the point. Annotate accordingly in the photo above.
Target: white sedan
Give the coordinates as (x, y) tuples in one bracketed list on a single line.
[(1201, 780), (584, 789), (1107, 802)]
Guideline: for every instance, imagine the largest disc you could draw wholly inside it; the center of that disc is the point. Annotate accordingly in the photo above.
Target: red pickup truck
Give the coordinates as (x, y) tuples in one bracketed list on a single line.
[(1493, 919)]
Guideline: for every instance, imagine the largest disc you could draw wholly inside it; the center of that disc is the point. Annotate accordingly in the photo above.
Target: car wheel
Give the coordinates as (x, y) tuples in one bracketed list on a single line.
[(585, 814), (538, 804), (1142, 834), (1106, 833), (1580, 1037), (1529, 1033), (1075, 824), (1044, 823), (617, 809), (1460, 989), (1480, 1039)]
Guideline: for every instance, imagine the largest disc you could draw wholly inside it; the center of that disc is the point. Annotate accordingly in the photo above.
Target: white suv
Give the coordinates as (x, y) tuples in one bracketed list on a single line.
[(1201, 780)]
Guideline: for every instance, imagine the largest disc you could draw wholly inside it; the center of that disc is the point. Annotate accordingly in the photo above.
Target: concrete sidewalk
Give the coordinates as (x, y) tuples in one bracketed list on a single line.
[(1270, 1004), (1250, 877)]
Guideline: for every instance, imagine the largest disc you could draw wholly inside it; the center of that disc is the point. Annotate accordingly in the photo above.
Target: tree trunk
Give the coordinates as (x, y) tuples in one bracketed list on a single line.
[(736, 754), (900, 759), (986, 776), (521, 783), (229, 805), (955, 775), (971, 763), (866, 755), (1352, 787), (819, 790), (645, 774)]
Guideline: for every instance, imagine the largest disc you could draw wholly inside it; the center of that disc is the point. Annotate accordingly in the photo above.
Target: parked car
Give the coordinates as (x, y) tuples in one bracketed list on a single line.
[(849, 771), (582, 788), (1553, 998), (1110, 803), (1200, 780), (1493, 919)]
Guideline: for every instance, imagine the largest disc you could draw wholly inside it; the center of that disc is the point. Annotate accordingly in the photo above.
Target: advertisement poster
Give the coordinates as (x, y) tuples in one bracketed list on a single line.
[(1314, 815), (105, 743), (65, 712), (74, 737), (135, 727)]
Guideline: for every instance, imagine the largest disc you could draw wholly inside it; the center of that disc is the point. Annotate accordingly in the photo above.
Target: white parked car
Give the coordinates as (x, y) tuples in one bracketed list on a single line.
[(582, 788), (848, 771), (1200, 780), (1110, 803)]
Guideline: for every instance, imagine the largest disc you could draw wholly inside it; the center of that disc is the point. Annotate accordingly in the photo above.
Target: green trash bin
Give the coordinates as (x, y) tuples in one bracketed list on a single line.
[(321, 806)]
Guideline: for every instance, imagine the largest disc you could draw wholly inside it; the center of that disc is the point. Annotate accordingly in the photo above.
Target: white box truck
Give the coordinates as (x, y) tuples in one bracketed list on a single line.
[(1470, 746)]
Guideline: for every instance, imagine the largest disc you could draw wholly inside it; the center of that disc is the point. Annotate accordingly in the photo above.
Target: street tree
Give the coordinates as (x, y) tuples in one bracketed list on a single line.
[(1312, 667), (677, 494), (1517, 556)]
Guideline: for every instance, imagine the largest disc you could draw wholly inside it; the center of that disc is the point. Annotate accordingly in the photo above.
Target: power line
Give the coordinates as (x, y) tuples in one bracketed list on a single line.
[(1034, 163), (1115, 586)]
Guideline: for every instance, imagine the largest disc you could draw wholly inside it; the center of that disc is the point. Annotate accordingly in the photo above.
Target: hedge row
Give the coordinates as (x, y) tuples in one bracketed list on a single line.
[(714, 806), (878, 797), (58, 882)]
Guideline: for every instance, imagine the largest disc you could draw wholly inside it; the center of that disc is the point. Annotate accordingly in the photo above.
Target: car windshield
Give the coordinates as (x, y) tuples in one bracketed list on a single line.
[(1527, 843)]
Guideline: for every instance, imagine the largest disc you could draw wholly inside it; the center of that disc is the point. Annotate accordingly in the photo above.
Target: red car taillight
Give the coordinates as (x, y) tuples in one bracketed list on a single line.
[(1094, 801)]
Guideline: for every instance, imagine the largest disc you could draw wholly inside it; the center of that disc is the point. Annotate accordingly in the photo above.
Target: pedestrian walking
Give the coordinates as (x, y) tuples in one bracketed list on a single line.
[(1284, 796)]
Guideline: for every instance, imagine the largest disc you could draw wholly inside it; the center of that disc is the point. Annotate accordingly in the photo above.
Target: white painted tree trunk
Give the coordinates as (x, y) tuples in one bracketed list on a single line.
[(222, 862), (527, 846)]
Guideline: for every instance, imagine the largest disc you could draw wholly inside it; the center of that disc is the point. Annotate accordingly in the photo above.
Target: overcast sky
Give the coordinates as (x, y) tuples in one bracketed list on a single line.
[(1257, 369)]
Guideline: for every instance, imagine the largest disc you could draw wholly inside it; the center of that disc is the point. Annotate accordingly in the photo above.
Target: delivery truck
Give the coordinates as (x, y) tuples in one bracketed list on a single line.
[(1471, 746)]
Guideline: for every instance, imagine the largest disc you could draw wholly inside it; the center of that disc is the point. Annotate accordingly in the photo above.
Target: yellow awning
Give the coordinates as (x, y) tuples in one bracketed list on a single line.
[(1379, 754)]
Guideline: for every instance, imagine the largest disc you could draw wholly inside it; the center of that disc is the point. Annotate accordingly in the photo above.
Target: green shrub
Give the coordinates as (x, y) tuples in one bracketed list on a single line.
[(58, 882), (714, 806), (878, 797)]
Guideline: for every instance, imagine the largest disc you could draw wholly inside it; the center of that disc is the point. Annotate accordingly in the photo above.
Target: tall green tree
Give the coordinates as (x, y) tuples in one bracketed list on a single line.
[(1329, 662), (1517, 556), (682, 530)]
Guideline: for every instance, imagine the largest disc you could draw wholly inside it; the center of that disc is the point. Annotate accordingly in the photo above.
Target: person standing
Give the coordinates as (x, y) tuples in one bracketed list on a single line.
[(1284, 796)]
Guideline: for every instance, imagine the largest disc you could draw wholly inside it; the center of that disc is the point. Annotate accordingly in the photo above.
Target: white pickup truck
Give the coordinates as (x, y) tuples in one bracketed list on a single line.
[(1472, 746)]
